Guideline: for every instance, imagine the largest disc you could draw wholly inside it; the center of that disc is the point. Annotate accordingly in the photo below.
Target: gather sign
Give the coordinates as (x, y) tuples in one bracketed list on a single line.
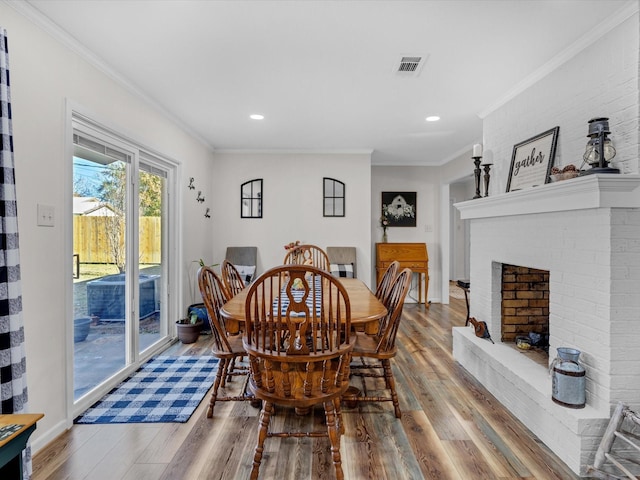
[(532, 161)]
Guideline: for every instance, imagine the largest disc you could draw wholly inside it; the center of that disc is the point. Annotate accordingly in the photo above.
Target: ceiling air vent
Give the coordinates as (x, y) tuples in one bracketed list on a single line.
[(411, 66)]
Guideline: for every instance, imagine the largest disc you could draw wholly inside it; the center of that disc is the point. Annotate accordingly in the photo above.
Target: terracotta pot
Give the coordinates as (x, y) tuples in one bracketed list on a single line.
[(188, 332)]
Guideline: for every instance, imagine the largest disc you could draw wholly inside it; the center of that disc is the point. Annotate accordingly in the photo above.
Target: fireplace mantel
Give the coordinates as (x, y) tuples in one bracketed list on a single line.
[(589, 191)]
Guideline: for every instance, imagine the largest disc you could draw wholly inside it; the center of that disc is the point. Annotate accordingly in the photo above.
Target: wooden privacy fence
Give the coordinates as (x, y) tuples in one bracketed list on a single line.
[(91, 239)]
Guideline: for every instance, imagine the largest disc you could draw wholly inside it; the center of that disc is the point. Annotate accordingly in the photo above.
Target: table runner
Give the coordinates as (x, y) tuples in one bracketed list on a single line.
[(297, 296)]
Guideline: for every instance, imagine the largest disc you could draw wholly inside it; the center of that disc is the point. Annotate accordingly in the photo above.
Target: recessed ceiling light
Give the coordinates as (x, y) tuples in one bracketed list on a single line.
[(432, 118), (256, 116)]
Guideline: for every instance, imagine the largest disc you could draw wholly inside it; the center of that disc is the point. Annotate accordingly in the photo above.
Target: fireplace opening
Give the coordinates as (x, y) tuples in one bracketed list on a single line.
[(525, 308)]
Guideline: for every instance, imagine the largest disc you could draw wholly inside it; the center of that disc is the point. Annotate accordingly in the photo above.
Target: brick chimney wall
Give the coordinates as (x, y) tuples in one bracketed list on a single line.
[(525, 301)]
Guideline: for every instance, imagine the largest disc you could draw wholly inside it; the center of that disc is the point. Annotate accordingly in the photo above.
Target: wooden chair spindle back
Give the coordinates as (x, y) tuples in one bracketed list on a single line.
[(307, 255), (214, 295), (232, 279), (394, 303), (387, 280), (298, 328)]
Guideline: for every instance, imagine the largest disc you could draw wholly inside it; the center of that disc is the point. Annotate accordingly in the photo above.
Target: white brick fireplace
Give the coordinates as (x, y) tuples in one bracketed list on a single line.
[(586, 233)]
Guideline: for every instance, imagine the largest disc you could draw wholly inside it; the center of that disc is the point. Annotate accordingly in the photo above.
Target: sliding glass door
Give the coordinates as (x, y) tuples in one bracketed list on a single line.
[(120, 285), (152, 208)]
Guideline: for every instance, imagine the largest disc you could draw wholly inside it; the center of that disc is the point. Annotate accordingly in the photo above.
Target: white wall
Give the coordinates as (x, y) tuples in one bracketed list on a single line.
[(44, 76), (600, 81), (459, 192), (456, 244), (293, 204), (425, 181)]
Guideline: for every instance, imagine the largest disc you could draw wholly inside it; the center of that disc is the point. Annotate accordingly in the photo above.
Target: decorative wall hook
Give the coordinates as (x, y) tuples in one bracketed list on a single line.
[(191, 186), (200, 198), (206, 213)]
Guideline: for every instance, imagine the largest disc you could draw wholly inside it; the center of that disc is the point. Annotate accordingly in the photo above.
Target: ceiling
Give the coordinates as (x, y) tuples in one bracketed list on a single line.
[(324, 73)]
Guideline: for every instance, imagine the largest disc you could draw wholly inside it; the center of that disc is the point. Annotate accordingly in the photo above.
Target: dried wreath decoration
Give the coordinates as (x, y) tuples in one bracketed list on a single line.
[(292, 245)]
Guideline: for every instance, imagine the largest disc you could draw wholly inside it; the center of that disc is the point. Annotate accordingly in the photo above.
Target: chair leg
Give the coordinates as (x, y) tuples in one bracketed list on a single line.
[(265, 417), (232, 367), (336, 404), (334, 437), (228, 366), (216, 385), (391, 384)]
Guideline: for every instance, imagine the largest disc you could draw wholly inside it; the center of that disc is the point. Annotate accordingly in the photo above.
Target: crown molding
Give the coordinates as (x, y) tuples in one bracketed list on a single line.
[(630, 9), (71, 43), (275, 151)]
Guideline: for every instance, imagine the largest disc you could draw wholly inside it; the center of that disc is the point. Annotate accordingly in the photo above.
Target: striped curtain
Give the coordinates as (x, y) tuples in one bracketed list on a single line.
[(13, 379)]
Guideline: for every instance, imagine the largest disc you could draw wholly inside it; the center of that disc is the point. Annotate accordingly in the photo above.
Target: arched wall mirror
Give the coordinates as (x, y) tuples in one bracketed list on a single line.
[(333, 196), (251, 199)]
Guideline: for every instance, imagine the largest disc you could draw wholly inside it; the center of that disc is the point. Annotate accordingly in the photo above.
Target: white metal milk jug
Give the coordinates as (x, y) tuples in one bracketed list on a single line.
[(568, 379)]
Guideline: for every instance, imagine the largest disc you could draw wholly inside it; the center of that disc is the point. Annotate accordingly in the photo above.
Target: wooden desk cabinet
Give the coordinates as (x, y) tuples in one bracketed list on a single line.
[(410, 255)]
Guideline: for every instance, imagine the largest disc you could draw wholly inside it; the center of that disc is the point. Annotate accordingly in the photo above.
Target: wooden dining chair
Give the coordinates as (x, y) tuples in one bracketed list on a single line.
[(232, 279), (226, 348), (307, 255), (387, 279), (380, 348), (299, 341)]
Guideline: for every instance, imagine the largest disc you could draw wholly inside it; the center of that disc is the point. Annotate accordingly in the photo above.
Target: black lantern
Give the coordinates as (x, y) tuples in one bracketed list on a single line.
[(599, 151)]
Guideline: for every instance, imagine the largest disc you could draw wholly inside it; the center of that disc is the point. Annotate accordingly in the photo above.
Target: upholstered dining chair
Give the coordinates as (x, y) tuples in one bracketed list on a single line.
[(307, 255), (340, 257), (387, 279), (299, 341), (233, 281), (226, 348), (380, 348), (242, 255), (245, 259)]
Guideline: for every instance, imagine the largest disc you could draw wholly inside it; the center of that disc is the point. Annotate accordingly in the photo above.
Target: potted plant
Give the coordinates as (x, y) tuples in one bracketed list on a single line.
[(193, 276), (188, 329)]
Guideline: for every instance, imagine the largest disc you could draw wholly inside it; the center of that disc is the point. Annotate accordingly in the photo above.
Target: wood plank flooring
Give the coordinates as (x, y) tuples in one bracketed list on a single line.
[(451, 428)]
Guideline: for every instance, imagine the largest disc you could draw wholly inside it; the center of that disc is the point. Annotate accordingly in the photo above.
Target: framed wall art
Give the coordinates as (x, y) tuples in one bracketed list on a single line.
[(532, 161), (399, 208)]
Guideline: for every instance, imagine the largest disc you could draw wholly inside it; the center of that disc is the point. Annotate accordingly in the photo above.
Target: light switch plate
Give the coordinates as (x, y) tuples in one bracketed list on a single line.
[(46, 214)]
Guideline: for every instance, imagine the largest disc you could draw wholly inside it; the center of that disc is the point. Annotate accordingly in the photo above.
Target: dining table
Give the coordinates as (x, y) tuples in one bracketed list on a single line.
[(366, 309)]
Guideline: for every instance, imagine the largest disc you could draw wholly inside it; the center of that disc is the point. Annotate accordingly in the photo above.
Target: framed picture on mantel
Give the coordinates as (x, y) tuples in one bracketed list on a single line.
[(532, 161)]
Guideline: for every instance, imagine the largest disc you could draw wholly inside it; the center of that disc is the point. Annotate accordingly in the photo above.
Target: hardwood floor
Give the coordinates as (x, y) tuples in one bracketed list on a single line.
[(451, 428)]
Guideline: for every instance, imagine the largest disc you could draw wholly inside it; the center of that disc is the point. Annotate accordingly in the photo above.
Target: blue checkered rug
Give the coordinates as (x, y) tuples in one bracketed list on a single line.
[(165, 389)]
